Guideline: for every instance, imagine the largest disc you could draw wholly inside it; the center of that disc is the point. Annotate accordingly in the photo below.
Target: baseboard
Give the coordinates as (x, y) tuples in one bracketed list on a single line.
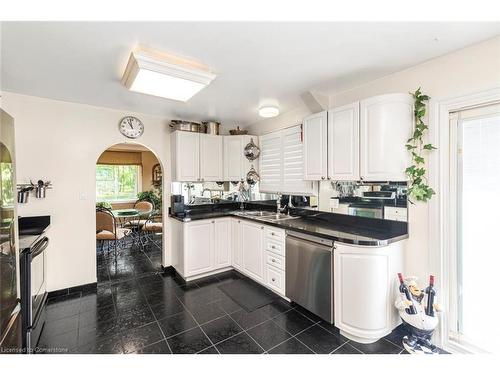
[(86, 288), (169, 270)]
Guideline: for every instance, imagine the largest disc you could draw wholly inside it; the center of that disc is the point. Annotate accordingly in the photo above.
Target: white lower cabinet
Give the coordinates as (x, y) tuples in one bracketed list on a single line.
[(223, 229), (237, 256), (199, 247), (202, 247), (365, 288), (205, 247), (252, 250)]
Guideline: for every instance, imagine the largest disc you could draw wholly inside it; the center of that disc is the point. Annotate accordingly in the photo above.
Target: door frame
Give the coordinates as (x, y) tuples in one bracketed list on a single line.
[(442, 208)]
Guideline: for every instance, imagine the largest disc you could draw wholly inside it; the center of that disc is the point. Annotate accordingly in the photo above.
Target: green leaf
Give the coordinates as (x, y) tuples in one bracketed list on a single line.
[(429, 147), (410, 147)]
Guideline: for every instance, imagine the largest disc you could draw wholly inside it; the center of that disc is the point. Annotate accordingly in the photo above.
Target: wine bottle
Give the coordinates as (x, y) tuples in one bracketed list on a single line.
[(404, 289), (431, 292)]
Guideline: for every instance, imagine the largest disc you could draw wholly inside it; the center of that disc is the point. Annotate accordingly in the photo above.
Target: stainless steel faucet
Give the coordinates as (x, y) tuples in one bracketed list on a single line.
[(278, 204)]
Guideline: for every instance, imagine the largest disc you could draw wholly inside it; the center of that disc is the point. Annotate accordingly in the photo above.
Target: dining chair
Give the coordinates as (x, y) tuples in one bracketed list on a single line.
[(107, 231), (153, 226)]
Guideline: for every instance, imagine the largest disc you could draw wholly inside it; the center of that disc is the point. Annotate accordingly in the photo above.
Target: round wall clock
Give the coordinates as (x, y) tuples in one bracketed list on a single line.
[(131, 127)]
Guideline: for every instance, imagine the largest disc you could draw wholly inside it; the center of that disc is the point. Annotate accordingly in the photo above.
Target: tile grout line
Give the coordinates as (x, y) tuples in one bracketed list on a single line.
[(244, 331)]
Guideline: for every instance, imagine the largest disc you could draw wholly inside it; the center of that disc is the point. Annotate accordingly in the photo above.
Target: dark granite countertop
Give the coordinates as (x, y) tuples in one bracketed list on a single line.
[(336, 227)]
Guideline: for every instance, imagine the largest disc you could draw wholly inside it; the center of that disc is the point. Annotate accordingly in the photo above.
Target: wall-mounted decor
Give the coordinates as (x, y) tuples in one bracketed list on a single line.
[(157, 175), (131, 127), (252, 151)]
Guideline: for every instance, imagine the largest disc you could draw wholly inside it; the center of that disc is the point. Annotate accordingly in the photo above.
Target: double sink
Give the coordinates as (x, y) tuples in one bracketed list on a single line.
[(266, 216)]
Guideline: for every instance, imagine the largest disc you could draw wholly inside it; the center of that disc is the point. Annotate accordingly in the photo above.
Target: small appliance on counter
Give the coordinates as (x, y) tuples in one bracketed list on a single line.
[(176, 204), (33, 243)]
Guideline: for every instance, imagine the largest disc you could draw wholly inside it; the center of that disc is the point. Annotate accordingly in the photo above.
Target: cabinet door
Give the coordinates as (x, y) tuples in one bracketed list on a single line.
[(293, 163), (233, 158), (271, 163), (211, 159), (361, 291), (315, 146), (343, 143), (251, 244), (237, 256), (223, 242), (385, 126), (199, 247), (186, 156)]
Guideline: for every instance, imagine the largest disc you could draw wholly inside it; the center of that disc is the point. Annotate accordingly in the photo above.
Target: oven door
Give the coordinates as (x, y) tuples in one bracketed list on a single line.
[(38, 277)]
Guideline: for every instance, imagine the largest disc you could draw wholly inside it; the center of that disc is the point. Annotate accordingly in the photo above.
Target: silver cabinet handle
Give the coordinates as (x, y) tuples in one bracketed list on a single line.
[(213, 221), (273, 279), (322, 177), (272, 233), (261, 227), (273, 247), (273, 260)]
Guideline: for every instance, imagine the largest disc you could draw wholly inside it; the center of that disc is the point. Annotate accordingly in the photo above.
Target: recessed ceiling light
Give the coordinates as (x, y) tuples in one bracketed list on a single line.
[(165, 76), (269, 111)]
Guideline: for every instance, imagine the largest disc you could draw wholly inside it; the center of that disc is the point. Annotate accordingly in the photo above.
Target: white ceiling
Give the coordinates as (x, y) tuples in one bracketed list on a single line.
[(255, 63)]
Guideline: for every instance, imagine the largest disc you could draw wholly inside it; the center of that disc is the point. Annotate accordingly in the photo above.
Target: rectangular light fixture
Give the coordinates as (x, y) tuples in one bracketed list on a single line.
[(165, 75)]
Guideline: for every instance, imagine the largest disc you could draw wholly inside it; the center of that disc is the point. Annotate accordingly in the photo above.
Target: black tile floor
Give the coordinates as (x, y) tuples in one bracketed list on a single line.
[(136, 309)]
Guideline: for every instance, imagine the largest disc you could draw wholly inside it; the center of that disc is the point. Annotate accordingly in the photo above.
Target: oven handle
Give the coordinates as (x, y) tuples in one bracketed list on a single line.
[(40, 247)]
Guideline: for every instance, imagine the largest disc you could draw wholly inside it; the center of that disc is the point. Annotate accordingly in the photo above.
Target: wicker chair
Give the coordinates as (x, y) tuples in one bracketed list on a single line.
[(107, 230)]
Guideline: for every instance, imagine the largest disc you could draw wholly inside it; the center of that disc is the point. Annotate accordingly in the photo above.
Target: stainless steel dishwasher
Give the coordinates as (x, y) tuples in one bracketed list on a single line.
[(309, 273)]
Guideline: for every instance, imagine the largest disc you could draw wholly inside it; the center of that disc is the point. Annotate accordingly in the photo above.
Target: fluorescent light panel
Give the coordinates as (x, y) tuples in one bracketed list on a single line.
[(165, 77)]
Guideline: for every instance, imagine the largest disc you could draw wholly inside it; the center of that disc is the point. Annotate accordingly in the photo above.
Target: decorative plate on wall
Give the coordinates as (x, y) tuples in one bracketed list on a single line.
[(157, 175)]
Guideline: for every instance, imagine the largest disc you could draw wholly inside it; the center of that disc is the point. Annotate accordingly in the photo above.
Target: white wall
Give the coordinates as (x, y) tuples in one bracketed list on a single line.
[(61, 142), (472, 69)]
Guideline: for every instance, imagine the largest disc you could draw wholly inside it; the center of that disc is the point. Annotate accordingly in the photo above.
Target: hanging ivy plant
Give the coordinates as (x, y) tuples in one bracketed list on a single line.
[(418, 188)]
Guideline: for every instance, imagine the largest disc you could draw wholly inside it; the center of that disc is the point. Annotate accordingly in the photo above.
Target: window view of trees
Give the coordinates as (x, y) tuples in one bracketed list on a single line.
[(6, 184), (117, 182)]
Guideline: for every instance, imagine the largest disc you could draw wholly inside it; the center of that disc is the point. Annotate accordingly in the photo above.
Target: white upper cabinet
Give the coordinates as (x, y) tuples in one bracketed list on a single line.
[(386, 123), (293, 163), (185, 156), (236, 165), (343, 143), (211, 159), (271, 162), (315, 146)]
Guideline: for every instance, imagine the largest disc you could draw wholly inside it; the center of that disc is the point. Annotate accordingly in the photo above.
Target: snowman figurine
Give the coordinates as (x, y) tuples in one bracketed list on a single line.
[(418, 318)]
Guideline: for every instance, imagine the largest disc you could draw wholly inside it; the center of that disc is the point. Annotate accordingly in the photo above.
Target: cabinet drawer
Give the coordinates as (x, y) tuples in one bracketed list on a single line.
[(274, 246), (275, 279), (274, 234), (275, 260)]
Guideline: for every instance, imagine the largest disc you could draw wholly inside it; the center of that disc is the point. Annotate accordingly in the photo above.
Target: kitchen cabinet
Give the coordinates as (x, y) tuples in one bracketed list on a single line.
[(211, 158), (343, 143), (199, 247), (236, 165), (365, 288), (185, 156), (252, 249), (237, 256), (386, 123), (223, 231), (315, 146), (197, 157), (282, 163), (360, 141)]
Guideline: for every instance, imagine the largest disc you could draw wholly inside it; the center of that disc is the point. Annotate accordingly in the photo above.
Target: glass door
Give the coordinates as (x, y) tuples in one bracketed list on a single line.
[(474, 319)]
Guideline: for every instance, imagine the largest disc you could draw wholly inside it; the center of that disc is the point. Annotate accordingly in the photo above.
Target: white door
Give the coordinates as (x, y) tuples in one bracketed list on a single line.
[(199, 247), (211, 158), (343, 143), (361, 291), (233, 155), (293, 163), (271, 162), (186, 156), (252, 249), (237, 256), (315, 146), (386, 123), (223, 242)]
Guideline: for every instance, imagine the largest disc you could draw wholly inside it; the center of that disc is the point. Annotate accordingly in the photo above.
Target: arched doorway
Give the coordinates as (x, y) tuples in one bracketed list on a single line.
[(129, 195)]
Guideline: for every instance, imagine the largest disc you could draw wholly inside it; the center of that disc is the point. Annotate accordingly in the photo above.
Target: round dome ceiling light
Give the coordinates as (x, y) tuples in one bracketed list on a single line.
[(269, 111)]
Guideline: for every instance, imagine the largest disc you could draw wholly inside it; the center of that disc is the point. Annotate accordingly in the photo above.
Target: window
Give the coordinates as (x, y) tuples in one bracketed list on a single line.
[(117, 183), (476, 256)]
